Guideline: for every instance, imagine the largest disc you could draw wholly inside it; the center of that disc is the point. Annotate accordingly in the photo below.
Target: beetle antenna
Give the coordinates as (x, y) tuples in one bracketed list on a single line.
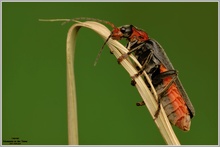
[(97, 20), (100, 52), (92, 19)]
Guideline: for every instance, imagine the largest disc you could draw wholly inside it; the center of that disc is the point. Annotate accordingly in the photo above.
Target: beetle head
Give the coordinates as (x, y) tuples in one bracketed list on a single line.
[(122, 32)]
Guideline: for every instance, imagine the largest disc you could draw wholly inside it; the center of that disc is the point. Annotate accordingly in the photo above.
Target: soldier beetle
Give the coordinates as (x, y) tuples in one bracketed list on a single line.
[(152, 57)]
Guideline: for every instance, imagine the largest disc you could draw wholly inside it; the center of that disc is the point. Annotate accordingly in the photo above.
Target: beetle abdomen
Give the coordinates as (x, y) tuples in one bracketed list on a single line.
[(174, 105)]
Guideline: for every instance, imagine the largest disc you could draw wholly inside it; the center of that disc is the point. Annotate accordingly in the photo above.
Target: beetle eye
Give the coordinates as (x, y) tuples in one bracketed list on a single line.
[(126, 30), (123, 30)]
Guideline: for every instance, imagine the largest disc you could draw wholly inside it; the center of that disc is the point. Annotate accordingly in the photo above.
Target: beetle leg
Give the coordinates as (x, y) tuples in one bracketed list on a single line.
[(158, 108), (140, 103), (158, 78), (124, 56), (164, 90), (149, 57)]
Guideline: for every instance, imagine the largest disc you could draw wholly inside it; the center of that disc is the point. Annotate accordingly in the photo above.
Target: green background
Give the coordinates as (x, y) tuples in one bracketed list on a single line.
[(34, 72)]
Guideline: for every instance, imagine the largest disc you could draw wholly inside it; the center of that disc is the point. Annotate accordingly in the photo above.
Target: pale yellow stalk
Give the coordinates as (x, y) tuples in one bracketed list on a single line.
[(118, 49)]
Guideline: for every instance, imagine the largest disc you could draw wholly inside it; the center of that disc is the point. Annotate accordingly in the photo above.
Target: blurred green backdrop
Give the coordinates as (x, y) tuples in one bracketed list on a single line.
[(34, 72)]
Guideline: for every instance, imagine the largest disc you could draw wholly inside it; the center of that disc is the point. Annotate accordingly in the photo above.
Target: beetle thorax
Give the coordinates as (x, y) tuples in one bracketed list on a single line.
[(138, 35)]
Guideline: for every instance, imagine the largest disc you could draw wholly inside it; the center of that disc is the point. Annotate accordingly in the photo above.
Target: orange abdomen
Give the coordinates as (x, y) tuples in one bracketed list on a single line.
[(174, 105)]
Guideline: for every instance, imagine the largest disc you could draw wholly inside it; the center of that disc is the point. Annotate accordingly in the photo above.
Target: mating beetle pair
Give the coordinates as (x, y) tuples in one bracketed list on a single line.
[(156, 64)]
